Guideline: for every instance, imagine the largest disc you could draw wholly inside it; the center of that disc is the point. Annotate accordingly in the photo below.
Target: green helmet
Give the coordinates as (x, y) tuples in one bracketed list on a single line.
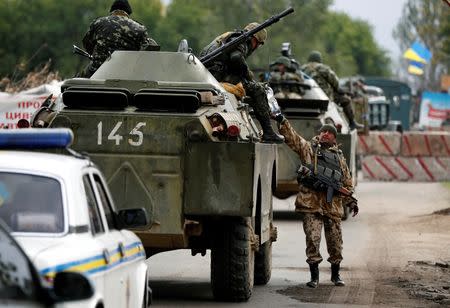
[(261, 36), (283, 60), (315, 56)]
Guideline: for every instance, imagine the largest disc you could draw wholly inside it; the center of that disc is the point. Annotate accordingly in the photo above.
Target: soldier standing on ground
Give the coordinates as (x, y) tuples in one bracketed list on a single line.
[(327, 79), (311, 200), (231, 67), (114, 32)]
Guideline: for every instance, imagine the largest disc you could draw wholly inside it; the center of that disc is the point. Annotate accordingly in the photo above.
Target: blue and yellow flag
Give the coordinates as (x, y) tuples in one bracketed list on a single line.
[(4, 194), (418, 53), (416, 68)]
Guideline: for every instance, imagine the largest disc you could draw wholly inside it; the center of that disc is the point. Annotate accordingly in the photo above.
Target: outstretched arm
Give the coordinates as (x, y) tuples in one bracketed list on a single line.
[(296, 142)]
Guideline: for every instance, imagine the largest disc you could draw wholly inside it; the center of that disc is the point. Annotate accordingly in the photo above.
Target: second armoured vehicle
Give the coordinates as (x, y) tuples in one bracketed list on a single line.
[(169, 138)]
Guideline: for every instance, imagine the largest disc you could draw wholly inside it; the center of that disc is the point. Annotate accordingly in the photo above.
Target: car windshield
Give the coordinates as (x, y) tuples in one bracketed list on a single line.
[(31, 203)]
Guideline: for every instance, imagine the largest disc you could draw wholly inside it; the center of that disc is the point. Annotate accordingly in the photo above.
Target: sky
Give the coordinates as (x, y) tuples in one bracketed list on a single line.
[(383, 15)]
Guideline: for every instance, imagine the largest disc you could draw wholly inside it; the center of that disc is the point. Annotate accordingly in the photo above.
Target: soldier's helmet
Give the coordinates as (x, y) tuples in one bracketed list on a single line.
[(283, 60), (260, 36), (121, 5), (315, 56)]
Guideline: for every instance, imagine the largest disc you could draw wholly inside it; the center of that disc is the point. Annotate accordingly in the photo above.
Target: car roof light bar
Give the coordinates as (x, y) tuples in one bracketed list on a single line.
[(36, 138)]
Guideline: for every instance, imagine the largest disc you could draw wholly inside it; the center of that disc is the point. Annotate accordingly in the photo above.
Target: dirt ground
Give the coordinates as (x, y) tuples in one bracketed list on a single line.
[(405, 261)]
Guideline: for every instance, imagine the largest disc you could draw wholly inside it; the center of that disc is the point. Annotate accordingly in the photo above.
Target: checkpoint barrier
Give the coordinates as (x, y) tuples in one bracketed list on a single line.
[(411, 156), (380, 143), (400, 168), (426, 144)]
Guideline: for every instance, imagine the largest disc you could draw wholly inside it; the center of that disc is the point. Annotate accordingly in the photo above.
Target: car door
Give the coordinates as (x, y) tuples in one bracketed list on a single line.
[(99, 264), (118, 283)]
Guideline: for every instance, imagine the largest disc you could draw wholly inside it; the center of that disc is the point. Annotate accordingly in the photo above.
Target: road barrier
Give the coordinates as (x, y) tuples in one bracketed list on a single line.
[(411, 156)]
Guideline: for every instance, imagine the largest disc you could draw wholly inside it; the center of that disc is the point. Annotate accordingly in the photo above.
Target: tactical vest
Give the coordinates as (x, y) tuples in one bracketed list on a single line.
[(326, 163)]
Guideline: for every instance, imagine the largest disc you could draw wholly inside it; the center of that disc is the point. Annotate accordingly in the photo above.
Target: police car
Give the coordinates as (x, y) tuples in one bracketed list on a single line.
[(60, 210)]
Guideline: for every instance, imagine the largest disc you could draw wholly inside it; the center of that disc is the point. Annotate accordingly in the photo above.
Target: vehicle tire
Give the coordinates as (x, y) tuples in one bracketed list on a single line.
[(232, 261), (263, 263)]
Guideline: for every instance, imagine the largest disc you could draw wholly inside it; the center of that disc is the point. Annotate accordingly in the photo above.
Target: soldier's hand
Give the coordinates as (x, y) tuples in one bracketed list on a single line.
[(279, 117), (354, 208)]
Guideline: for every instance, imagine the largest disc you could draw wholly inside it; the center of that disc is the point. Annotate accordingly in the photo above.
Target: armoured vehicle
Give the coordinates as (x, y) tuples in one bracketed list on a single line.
[(168, 137), (307, 108)]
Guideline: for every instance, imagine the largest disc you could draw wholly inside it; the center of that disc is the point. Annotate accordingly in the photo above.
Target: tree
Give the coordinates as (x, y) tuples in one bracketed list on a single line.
[(350, 47), (35, 31), (426, 21)]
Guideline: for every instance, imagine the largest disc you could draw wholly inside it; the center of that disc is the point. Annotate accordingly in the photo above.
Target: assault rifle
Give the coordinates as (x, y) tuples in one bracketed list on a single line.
[(244, 36), (324, 179)]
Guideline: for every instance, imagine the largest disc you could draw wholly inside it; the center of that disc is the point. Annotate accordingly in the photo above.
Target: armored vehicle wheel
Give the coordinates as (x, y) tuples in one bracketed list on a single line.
[(263, 263), (232, 261)]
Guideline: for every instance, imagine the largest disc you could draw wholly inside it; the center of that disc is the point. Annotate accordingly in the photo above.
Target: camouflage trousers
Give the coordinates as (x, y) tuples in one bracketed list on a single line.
[(259, 102), (255, 90), (312, 225)]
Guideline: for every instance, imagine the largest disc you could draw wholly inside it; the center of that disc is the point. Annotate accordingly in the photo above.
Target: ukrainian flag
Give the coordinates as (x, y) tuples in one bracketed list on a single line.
[(418, 53), (416, 68), (4, 194)]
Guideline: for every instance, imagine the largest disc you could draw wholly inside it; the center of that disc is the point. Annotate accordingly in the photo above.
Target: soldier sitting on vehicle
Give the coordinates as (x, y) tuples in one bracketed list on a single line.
[(322, 163), (114, 32), (283, 81), (231, 67), (327, 79)]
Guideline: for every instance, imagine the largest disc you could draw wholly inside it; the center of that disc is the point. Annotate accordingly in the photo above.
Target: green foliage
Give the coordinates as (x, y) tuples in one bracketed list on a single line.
[(38, 30), (351, 48)]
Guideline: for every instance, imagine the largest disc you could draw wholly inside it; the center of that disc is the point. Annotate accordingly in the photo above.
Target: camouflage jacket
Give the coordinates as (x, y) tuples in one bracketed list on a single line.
[(230, 66), (287, 76), (281, 86), (309, 200), (325, 77), (114, 32)]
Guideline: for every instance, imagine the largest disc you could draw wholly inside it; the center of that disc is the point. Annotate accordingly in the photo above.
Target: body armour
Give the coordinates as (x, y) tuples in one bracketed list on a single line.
[(326, 163)]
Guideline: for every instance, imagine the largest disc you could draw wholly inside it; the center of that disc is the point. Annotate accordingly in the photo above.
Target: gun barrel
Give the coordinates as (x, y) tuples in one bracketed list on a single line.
[(211, 56)]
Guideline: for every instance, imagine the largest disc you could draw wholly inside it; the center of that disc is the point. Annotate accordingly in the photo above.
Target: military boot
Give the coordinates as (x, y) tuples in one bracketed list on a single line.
[(348, 110), (314, 269), (335, 277), (269, 135)]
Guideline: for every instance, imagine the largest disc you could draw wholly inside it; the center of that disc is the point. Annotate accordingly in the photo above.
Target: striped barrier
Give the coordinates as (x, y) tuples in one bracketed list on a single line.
[(400, 168), (435, 144), (379, 143)]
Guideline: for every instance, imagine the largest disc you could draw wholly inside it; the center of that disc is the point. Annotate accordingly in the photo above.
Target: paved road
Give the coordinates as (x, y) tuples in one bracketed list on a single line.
[(377, 243)]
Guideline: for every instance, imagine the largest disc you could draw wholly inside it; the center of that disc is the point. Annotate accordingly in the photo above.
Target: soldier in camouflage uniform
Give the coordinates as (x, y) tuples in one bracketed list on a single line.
[(114, 32), (311, 200), (283, 80), (231, 67), (287, 52), (327, 79)]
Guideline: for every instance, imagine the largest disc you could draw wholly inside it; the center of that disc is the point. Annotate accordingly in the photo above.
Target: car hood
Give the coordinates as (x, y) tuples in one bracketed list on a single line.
[(34, 246)]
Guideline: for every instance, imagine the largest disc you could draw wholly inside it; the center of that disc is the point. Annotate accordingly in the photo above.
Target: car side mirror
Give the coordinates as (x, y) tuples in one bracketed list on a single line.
[(72, 286), (132, 218)]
